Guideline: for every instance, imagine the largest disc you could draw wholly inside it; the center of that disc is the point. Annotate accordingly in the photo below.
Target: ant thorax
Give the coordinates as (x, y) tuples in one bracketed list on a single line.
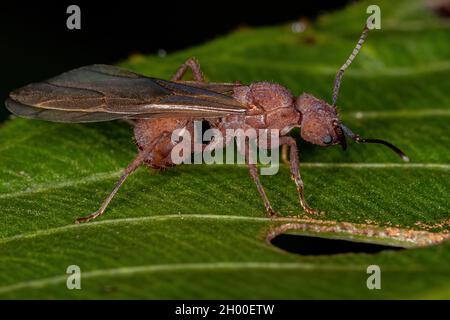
[(271, 106)]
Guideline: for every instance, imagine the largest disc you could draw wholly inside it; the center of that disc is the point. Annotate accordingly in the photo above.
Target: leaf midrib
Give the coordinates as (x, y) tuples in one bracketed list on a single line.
[(210, 266), (119, 221)]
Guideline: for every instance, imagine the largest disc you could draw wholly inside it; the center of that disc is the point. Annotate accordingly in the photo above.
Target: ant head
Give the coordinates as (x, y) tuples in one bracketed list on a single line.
[(320, 123)]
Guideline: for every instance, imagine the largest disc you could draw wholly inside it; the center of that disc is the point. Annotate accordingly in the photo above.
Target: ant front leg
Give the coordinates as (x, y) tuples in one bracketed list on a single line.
[(254, 174), (194, 65), (295, 173)]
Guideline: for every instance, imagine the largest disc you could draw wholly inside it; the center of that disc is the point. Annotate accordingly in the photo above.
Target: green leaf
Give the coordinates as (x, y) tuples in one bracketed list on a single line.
[(199, 231)]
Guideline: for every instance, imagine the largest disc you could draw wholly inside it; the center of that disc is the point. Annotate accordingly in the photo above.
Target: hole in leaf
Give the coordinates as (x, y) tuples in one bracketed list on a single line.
[(315, 246)]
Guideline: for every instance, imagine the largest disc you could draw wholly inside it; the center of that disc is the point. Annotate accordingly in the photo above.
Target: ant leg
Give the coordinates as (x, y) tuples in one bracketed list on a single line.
[(295, 173), (194, 65), (284, 154), (128, 170), (254, 174)]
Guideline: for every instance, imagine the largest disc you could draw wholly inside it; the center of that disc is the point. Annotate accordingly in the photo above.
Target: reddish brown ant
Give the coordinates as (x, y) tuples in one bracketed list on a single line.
[(158, 107)]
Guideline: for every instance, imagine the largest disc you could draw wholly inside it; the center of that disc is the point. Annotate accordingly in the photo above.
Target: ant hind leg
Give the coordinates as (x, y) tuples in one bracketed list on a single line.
[(137, 162), (131, 168), (194, 65)]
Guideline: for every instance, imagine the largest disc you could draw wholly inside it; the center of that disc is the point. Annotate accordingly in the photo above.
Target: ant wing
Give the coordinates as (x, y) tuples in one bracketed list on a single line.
[(218, 87), (103, 93)]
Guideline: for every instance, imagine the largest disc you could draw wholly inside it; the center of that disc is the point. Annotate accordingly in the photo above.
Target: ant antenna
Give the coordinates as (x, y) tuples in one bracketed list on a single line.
[(340, 73), (358, 139)]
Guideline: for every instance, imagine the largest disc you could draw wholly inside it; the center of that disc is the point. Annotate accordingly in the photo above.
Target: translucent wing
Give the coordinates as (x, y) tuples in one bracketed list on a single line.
[(102, 93)]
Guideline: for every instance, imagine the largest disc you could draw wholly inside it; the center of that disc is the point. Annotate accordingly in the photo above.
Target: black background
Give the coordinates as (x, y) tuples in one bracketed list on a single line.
[(284, 309), (36, 44)]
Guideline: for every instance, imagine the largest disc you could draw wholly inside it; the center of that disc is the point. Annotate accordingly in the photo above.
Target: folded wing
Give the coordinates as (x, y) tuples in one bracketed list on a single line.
[(103, 93)]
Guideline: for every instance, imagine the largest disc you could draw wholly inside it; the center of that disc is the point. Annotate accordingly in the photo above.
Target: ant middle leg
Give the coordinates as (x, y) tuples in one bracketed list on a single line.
[(295, 173), (254, 174)]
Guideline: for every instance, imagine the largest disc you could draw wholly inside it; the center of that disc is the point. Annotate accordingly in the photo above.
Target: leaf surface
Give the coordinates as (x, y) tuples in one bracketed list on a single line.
[(199, 231)]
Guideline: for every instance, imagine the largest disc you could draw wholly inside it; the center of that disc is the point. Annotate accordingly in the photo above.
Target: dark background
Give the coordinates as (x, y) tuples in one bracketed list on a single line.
[(35, 43)]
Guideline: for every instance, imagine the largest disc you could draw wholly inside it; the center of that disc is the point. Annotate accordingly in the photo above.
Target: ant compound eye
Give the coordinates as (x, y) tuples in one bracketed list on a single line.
[(327, 139)]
